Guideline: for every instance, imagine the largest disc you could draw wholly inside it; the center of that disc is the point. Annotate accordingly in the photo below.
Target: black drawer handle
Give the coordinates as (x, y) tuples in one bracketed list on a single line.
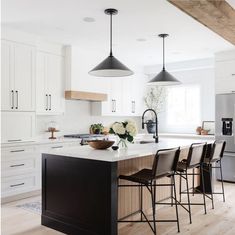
[(17, 165), (14, 140), (57, 147), (16, 151), (15, 185)]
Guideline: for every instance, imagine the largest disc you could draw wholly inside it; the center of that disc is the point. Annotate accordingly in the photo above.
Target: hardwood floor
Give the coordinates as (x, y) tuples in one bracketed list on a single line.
[(219, 221)]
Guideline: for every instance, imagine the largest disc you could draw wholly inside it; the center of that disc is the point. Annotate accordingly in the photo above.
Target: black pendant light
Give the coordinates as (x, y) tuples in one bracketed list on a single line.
[(164, 78), (111, 67)]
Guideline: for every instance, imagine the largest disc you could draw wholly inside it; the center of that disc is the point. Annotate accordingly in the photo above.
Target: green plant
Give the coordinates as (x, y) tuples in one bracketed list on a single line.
[(97, 128)]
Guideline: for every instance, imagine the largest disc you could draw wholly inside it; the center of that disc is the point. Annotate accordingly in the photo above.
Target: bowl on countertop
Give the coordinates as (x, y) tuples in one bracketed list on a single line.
[(100, 144)]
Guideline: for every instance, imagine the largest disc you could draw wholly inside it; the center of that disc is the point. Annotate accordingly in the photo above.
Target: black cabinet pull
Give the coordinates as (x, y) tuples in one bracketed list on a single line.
[(14, 140), (17, 165), (16, 151), (50, 102), (15, 185), (133, 106), (57, 147), (17, 99), (12, 99), (46, 102), (114, 106)]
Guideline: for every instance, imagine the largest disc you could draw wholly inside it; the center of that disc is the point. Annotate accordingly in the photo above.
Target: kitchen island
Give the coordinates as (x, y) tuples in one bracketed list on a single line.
[(79, 185)]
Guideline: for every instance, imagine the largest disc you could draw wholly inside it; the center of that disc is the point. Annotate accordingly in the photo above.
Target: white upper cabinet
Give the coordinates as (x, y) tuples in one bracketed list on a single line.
[(18, 77), (125, 98), (50, 84), (225, 72)]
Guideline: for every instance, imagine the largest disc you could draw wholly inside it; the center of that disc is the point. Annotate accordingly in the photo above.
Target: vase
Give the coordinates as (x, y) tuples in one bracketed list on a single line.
[(122, 143)]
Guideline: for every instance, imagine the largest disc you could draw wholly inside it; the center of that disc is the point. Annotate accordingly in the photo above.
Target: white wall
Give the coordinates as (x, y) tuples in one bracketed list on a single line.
[(199, 72)]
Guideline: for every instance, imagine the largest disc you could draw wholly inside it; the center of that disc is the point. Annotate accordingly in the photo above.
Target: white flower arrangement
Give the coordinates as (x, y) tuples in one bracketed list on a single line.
[(124, 130)]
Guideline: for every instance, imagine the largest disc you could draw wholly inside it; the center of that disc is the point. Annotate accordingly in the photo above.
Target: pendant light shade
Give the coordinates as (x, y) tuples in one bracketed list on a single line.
[(164, 78), (111, 67)]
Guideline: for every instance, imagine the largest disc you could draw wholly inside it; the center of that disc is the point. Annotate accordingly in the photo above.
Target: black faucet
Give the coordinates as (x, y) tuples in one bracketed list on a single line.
[(156, 123)]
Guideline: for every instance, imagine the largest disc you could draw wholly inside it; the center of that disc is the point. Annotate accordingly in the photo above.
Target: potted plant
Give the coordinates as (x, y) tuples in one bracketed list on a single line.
[(125, 131), (96, 128), (154, 99)]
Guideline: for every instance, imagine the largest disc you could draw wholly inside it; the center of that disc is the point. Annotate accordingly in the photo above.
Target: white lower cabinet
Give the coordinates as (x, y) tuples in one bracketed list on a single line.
[(17, 126), (20, 170), (21, 167)]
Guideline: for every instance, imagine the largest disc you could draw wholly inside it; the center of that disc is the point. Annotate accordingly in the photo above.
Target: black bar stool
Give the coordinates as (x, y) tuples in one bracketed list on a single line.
[(194, 160), (164, 165), (213, 162)]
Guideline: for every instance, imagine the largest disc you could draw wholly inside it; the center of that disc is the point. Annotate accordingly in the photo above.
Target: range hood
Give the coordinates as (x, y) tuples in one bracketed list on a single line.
[(79, 84), (83, 95)]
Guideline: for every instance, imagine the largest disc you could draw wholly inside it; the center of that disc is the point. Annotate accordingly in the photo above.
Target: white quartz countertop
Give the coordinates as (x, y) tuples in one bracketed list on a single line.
[(133, 150), (138, 138), (40, 141)]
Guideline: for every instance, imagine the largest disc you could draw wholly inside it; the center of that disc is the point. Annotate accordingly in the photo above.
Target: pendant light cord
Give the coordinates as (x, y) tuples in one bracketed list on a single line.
[(111, 34), (163, 53)]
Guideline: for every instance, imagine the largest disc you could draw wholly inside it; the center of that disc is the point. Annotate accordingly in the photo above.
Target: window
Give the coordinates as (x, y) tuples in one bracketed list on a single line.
[(183, 105)]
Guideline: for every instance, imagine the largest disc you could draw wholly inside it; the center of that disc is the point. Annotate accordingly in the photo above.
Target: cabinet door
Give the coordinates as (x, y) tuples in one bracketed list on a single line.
[(6, 73), (225, 76), (55, 83), (41, 84), (17, 126), (132, 97), (24, 77)]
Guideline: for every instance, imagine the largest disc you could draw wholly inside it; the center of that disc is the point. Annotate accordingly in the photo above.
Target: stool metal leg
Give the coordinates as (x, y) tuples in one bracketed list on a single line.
[(176, 203), (212, 196), (141, 201), (222, 180), (152, 191), (189, 207), (193, 181), (180, 189), (172, 187), (203, 187)]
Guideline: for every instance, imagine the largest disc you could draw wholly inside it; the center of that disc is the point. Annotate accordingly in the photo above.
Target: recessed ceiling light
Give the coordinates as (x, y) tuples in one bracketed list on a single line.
[(141, 39), (89, 19)]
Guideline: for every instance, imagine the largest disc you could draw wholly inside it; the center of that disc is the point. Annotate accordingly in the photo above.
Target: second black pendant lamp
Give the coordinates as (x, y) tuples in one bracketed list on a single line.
[(164, 78), (111, 67)]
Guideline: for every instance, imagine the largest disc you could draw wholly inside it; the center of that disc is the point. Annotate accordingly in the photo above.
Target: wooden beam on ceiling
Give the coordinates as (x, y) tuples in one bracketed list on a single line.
[(217, 15)]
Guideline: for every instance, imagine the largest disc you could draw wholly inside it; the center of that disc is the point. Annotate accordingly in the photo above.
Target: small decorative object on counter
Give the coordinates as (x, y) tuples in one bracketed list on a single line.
[(125, 131), (198, 130), (204, 132), (96, 128), (52, 127)]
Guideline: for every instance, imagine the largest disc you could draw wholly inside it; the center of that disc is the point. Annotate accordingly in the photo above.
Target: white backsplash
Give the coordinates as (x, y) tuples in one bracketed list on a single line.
[(77, 119)]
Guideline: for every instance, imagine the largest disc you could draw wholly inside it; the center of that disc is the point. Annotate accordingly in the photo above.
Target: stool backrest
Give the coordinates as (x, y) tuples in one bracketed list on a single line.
[(217, 150), (165, 161), (196, 154)]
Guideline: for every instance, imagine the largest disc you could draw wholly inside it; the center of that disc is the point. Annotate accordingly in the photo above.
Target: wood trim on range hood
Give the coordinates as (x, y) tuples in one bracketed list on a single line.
[(83, 95), (217, 15)]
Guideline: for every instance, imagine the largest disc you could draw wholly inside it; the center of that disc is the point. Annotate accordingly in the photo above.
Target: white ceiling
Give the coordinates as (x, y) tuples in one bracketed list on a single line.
[(62, 21)]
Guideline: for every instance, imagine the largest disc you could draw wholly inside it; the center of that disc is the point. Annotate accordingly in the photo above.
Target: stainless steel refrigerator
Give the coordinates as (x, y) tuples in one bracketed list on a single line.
[(225, 130)]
